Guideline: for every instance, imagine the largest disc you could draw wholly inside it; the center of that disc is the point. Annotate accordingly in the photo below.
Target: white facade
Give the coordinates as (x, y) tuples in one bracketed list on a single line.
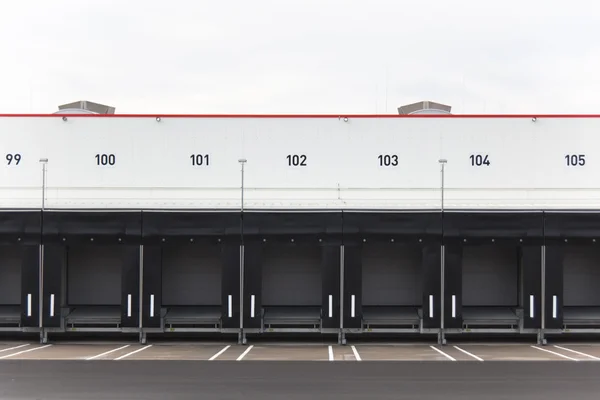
[(303, 162)]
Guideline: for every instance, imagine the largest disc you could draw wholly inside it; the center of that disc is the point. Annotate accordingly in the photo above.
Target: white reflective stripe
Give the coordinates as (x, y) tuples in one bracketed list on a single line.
[(52, 305), (29, 304), (531, 306), (128, 305), (151, 306), (554, 306), (229, 306), (453, 306), (251, 306), (430, 306), (330, 306), (352, 306)]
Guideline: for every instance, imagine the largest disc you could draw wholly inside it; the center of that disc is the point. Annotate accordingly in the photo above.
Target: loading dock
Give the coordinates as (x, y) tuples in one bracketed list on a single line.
[(20, 234), (191, 264), (391, 287), (292, 272), (581, 297), (572, 272), (91, 272), (493, 266), (391, 272), (191, 292)]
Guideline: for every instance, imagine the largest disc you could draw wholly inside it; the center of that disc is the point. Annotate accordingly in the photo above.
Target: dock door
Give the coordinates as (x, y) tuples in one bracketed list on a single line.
[(390, 283), (91, 271), (20, 234)]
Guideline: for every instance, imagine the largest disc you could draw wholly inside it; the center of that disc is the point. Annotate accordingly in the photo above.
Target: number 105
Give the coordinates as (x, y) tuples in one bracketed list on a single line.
[(575, 160)]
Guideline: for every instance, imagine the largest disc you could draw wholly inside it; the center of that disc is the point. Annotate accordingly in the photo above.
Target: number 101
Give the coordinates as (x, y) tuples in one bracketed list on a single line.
[(199, 160)]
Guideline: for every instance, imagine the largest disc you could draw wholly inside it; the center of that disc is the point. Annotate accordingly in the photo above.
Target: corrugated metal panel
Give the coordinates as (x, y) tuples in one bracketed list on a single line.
[(94, 275), (581, 276), (490, 276), (191, 275), (292, 276), (392, 275)]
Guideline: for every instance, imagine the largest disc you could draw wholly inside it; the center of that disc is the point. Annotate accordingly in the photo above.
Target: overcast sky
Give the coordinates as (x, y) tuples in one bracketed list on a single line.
[(288, 56)]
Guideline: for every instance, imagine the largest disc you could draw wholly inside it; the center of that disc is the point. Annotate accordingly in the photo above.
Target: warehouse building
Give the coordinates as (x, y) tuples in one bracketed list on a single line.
[(420, 223)]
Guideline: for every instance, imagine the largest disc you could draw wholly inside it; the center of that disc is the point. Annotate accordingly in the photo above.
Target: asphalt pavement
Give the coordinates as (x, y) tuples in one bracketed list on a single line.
[(66, 380)]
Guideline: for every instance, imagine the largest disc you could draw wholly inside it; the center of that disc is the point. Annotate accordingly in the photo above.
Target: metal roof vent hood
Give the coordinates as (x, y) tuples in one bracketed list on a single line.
[(85, 107), (424, 107)]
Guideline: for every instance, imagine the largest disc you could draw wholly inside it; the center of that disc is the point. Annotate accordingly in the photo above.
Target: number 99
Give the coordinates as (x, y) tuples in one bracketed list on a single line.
[(13, 157)]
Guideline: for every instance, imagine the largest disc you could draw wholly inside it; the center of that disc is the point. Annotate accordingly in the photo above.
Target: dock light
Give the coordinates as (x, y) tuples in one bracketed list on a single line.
[(44, 162)]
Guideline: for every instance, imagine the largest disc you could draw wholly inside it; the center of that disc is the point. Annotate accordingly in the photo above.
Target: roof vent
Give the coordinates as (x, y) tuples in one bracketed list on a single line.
[(424, 107), (85, 107)]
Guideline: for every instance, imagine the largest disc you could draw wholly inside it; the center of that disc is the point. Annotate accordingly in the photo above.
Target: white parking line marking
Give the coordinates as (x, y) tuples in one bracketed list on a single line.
[(577, 352), (107, 352), (244, 353), (356, 355), (331, 353), (223, 350), (469, 354), (24, 351), (14, 348), (557, 354), (133, 352), (442, 353)]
